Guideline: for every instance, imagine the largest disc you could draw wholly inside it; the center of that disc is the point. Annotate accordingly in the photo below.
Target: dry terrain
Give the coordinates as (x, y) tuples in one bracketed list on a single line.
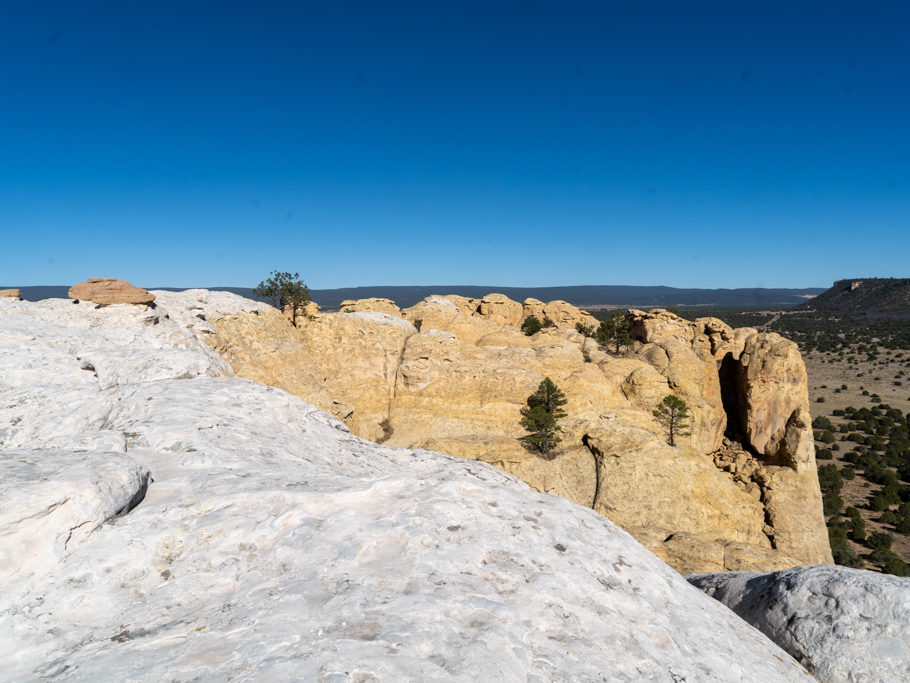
[(885, 377), (853, 365)]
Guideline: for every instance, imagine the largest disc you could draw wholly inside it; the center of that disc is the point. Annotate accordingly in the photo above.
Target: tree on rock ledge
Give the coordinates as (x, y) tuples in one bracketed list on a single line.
[(673, 413), (615, 331), (540, 415), (286, 291)]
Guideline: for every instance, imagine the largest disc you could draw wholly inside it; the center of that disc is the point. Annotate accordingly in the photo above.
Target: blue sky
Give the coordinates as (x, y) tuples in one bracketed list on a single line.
[(696, 144)]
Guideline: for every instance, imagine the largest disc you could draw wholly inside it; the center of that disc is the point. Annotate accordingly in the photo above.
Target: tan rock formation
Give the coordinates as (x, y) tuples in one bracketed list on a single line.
[(309, 310), (107, 290), (10, 293), (563, 314), (458, 384), (373, 304), (500, 308)]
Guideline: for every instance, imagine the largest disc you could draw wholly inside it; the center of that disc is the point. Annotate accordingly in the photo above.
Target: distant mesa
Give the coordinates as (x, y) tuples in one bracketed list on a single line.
[(881, 298), (107, 290), (587, 296), (10, 294)]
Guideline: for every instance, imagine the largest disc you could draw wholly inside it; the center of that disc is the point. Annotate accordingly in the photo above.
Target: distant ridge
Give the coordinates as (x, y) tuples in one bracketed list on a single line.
[(880, 298), (591, 296)]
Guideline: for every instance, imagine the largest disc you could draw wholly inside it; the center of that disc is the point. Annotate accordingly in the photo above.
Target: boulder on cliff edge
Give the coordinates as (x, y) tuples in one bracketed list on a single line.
[(107, 290)]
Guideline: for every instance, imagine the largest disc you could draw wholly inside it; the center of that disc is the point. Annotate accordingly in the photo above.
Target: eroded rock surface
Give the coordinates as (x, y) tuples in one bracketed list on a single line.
[(271, 544), (842, 624), (107, 290), (458, 384)]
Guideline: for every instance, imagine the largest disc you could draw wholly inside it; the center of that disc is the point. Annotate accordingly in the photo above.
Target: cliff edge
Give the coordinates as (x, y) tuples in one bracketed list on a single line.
[(740, 493)]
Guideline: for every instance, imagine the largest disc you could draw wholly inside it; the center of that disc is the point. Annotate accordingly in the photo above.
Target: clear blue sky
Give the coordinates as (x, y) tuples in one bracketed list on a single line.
[(691, 144)]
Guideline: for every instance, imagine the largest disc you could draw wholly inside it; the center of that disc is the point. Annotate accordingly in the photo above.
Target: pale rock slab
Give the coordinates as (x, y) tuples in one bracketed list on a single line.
[(52, 500), (841, 624)]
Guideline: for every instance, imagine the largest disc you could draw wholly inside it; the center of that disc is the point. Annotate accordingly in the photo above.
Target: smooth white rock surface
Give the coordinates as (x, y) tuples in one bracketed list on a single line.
[(842, 624), (271, 544)]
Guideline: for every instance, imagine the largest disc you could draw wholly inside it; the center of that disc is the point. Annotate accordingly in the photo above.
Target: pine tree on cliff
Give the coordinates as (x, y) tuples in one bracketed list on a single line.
[(285, 291), (540, 415), (614, 330), (673, 414)]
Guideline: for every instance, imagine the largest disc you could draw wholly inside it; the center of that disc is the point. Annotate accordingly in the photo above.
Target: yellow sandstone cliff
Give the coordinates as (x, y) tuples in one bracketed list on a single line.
[(740, 493)]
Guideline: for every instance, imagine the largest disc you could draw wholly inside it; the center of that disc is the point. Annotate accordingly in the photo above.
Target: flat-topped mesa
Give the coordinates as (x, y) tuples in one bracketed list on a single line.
[(107, 290), (740, 492), (10, 294)]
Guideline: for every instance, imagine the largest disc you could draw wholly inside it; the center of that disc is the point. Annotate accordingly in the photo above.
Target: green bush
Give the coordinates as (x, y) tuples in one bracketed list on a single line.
[(840, 549), (531, 325), (827, 437), (894, 565), (832, 503), (879, 540)]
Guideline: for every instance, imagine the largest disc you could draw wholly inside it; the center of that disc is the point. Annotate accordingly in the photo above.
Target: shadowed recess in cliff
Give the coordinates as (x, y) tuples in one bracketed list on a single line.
[(728, 372)]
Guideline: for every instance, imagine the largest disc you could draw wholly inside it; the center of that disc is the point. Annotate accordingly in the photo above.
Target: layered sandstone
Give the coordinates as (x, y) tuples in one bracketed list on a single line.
[(740, 493), (107, 290)]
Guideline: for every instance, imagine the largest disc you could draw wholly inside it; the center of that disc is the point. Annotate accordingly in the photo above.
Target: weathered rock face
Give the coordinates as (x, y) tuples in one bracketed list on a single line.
[(841, 624), (371, 305), (458, 384), (107, 290), (563, 314), (170, 522), (52, 501), (10, 293), (774, 400)]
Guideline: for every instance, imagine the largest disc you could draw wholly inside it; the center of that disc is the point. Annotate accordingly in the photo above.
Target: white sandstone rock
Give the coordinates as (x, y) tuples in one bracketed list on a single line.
[(52, 500), (271, 544), (841, 624)]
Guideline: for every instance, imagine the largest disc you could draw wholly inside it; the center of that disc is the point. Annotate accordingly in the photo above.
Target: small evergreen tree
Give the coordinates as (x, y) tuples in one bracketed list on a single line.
[(285, 291), (531, 325), (544, 408), (586, 330), (673, 414), (614, 330)]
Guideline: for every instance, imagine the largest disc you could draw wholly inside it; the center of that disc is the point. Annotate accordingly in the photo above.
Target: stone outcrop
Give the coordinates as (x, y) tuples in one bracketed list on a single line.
[(107, 290), (271, 544), (841, 624), (371, 305), (563, 314), (10, 294), (309, 310), (718, 501)]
